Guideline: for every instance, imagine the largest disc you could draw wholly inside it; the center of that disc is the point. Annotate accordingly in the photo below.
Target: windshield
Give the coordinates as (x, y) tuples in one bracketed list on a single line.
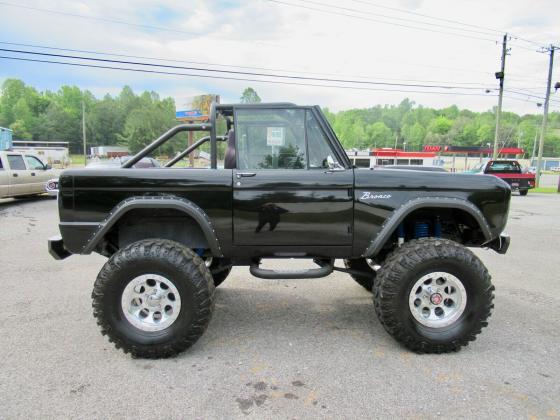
[(503, 166), (478, 168)]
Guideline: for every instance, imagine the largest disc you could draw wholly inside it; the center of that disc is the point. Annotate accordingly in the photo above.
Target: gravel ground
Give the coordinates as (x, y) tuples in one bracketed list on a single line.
[(277, 349)]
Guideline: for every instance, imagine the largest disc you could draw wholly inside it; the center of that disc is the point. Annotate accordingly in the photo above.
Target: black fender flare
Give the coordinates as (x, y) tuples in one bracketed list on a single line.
[(404, 210), (156, 202)]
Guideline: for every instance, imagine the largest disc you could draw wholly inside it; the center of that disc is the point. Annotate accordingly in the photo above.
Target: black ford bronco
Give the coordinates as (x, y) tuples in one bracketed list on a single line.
[(286, 189)]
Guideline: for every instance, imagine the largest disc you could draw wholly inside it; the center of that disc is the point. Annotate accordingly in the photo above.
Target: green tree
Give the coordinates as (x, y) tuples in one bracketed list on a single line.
[(105, 121), (441, 125), (250, 96), (62, 126), (485, 134), (145, 124), (379, 135), (414, 135)]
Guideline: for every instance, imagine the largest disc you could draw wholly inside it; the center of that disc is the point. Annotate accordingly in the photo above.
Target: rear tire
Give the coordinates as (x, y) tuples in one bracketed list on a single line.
[(154, 298), (424, 275), (523, 192), (366, 280)]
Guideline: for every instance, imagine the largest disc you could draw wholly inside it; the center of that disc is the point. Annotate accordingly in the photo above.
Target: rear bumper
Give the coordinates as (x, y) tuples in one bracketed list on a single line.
[(57, 249), (500, 244)]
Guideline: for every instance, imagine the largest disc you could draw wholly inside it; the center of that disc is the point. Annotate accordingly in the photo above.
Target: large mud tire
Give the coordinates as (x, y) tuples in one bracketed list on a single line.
[(397, 289), (182, 271)]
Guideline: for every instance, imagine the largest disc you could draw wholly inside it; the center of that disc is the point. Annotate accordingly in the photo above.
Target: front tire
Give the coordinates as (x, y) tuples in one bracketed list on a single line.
[(154, 298), (433, 295)]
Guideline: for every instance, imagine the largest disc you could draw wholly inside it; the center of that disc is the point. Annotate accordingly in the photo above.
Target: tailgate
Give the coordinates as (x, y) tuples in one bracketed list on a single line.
[(518, 181)]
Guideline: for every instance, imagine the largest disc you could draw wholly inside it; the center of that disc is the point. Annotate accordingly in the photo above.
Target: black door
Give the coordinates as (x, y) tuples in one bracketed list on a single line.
[(288, 188)]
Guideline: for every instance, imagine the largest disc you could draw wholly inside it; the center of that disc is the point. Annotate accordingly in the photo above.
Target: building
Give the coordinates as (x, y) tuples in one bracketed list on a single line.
[(5, 138), (52, 152), (463, 158), (109, 151), (388, 156)]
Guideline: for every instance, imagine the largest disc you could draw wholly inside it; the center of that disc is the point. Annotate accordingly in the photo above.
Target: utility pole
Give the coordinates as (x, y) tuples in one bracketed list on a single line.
[(84, 130), (545, 113), (536, 137), (534, 146), (501, 76)]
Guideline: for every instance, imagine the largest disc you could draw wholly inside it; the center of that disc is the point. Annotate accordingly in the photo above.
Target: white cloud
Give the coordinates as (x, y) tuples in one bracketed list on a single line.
[(261, 33)]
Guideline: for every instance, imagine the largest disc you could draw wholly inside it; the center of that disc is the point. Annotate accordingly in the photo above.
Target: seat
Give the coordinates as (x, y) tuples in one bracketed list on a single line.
[(229, 159)]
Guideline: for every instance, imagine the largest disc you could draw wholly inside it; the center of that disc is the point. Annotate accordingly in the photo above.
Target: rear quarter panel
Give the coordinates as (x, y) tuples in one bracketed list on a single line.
[(87, 196)]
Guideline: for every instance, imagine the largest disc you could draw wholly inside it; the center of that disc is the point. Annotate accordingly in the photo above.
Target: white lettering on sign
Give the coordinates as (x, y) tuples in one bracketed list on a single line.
[(275, 136), (367, 195)]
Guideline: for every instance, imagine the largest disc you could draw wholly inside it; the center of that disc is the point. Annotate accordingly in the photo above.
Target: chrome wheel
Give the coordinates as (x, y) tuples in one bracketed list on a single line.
[(151, 302), (437, 299)]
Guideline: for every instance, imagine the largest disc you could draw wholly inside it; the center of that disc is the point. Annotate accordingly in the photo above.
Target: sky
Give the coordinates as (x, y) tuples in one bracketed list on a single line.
[(379, 45)]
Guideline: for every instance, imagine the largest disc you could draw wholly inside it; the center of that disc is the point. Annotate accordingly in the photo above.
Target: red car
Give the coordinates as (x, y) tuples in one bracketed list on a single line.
[(510, 171)]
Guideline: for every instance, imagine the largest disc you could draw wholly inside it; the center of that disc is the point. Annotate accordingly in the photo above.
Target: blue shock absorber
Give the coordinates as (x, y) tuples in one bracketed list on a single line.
[(437, 228), (421, 229), (400, 234)]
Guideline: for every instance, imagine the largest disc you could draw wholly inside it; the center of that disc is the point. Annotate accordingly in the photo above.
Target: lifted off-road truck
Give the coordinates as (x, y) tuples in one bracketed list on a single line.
[(287, 190)]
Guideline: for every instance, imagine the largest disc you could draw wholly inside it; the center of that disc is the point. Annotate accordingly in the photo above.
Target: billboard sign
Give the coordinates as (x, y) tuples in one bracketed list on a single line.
[(185, 114), (195, 107)]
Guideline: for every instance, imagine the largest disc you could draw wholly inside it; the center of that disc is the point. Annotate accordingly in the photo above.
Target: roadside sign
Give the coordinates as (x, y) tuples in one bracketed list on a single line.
[(190, 113), (275, 136)]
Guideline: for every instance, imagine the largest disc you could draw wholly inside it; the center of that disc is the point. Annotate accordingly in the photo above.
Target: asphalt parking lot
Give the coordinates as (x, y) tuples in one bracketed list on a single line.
[(283, 349)]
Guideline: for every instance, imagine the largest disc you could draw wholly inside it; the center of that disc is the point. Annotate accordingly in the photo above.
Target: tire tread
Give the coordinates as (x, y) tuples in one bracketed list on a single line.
[(181, 257), (405, 258)]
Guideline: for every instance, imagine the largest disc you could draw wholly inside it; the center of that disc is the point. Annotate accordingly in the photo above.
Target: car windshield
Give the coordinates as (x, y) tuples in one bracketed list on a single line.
[(503, 166), (478, 168)]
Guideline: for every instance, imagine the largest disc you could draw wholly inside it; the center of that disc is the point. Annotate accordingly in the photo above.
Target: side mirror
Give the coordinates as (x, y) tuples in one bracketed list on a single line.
[(47, 167)]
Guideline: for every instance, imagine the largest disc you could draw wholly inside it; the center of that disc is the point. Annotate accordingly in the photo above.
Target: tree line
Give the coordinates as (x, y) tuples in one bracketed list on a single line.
[(413, 126), (133, 120)]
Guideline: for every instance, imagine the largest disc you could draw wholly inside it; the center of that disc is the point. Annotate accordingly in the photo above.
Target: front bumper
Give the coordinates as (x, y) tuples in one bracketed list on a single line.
[(500, 244), (57, 249)]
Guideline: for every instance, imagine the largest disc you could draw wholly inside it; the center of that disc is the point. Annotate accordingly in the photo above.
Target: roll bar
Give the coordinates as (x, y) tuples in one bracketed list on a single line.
[(169, 134), (190, 149), (213, 144)]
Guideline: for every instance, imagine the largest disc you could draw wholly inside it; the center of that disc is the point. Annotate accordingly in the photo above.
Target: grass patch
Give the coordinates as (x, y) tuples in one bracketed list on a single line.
[(77, 160), (548, 190)]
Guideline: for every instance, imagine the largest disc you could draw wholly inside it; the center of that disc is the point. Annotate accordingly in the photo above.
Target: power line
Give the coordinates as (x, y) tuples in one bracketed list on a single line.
[(244, 73), (380, 21), (531, 95), (497, 31), (515, 37), (102, 19), (396, 18), (241, 79), (480, 84), (426, 16)]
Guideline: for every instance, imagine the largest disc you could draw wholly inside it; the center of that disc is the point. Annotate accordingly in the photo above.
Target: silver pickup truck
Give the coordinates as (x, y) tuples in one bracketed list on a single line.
[(22, 174)]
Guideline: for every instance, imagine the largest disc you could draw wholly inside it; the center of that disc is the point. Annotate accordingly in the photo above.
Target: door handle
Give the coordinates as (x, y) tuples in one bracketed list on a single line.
[(244, 174), (15, 175), (32, 173)]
